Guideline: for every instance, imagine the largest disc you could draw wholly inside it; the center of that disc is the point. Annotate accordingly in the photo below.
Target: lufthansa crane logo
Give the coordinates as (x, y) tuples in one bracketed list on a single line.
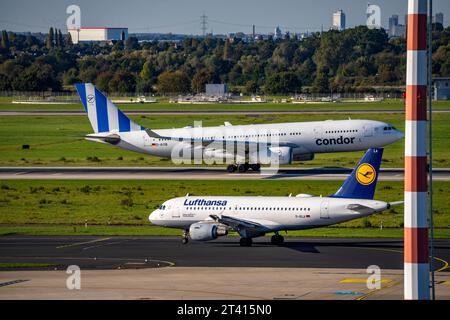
[(365, 174)]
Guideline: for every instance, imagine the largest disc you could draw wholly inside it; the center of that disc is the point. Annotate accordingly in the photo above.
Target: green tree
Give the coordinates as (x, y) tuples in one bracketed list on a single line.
[(37, 77), (132, 43), (122, 81), (199, 80), (283, 82), (251, 87), (70, 77), (5, 39), (103, 80), (60, 39), (173, 82), (147, 73), (227, 50), (321, 83), (69, 41), (50, 38)]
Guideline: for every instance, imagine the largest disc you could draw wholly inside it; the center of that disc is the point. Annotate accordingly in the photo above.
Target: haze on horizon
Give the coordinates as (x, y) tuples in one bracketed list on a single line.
[(183, 17)]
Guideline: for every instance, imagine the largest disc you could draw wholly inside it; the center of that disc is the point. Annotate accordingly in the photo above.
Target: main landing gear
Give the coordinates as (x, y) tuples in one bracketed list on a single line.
[(185, 238), (246, 242), (243, 167), (277, 240)]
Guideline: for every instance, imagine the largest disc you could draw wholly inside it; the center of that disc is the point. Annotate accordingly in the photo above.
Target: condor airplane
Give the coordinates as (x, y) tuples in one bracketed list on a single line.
[(207, 218), (251, 145)]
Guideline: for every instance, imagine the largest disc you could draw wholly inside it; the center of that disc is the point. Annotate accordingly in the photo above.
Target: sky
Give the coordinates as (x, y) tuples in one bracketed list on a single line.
[(183, 16)]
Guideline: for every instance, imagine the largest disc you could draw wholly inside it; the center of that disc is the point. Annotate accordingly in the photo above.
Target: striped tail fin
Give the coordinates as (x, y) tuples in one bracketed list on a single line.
[(102, 113)]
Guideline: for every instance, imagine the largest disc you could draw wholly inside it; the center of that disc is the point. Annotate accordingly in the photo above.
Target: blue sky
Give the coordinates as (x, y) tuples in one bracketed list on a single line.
[(183, 16)]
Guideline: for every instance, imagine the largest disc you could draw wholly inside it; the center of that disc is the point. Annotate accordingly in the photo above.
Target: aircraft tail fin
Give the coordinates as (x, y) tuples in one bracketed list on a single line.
[(102, 113), (362, 181)]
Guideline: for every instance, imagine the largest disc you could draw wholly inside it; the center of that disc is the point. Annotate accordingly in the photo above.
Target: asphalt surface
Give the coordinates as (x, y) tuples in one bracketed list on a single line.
[(209, 112), (197, 173), (89, 252)]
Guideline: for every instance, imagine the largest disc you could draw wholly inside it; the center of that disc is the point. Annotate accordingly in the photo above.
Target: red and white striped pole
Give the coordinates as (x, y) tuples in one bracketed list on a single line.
[(416, 266)]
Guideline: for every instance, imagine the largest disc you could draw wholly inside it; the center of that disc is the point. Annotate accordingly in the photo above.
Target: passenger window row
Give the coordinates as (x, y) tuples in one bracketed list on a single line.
[(254, 208), (341, 131)]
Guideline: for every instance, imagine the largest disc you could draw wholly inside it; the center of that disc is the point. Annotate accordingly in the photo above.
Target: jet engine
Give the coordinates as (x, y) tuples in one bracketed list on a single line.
[(304, 157), (217, 155), (204, 231), (272, 155)]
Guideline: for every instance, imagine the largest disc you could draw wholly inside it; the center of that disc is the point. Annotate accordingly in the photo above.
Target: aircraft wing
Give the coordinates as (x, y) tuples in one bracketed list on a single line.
[(360, 208), (207, 142), (245, 228)]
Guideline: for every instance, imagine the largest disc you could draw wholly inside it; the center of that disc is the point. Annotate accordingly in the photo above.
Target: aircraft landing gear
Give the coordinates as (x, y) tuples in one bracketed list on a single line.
[(185, 238), (277, 240), (245, 242), (243, 167)]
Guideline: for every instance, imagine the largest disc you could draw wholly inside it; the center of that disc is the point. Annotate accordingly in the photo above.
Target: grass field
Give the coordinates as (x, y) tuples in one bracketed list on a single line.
[(114, 202), (5, 104), (18, 265), (58, 141)]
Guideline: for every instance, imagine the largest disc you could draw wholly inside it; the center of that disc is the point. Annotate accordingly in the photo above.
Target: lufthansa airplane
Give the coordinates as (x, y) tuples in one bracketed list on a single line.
[(207, 218), (260, 143)]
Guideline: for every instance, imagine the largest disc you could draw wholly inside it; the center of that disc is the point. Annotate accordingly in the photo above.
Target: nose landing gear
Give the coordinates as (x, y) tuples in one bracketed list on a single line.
[(277, 239), (185, 238)]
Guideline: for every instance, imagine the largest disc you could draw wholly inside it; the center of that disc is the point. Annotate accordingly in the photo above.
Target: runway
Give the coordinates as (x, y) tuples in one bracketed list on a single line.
[(146, 268), (209, 112), (195, 173), (90, 252)]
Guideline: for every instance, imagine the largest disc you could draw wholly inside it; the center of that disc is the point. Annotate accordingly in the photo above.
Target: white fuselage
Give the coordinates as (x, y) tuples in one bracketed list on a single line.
[(274, 213), (305, 138)]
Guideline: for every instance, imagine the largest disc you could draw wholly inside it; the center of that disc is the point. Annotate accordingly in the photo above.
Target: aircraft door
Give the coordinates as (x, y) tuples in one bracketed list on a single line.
[(368, 130), (317, 132), (147, 140), (324, 214), (176, 211)]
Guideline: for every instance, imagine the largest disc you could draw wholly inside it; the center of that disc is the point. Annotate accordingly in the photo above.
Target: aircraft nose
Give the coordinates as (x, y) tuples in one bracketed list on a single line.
[(153, 217), (399, 134)]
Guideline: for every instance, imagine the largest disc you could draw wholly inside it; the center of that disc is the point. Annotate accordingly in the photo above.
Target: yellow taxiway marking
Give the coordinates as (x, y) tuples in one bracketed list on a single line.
[(445, 266), (358, 280), (81, 243), (446, 282)]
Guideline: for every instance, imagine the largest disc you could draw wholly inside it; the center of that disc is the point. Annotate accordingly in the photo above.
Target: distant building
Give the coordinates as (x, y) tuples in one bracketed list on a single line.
[(396, 29), (393, 22), (98, 34), (277, 34), (339, 20), (442, 88), (217, 90), (439, 18)]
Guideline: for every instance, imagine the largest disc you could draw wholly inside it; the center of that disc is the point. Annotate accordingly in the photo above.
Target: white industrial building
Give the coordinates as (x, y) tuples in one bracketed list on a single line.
[(98, 34), (442, 88), (216, 89)]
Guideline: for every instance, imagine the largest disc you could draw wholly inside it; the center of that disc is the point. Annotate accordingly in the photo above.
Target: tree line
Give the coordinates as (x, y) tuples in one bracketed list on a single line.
[(354, 60)]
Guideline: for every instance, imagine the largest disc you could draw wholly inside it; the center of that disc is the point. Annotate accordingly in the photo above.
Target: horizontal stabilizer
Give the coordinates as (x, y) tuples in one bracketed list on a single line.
[(360, 208), (112, 138)]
